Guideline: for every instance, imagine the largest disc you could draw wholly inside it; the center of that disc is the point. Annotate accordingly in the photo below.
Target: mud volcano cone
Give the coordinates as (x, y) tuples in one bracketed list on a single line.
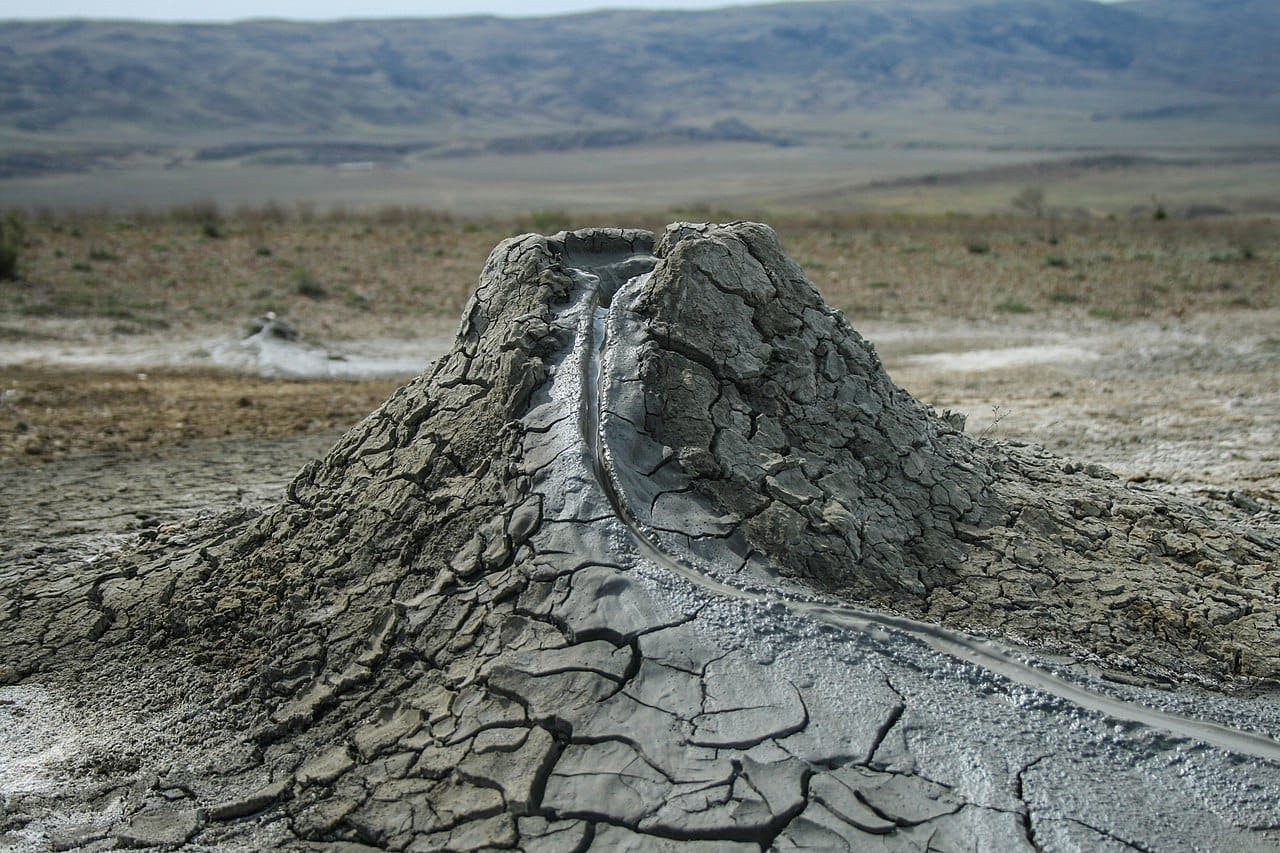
[(658, 554)]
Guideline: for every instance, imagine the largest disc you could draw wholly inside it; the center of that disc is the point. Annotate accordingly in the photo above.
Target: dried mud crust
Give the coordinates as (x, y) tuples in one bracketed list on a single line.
[(460, 629), (757, 398), (65, 510)]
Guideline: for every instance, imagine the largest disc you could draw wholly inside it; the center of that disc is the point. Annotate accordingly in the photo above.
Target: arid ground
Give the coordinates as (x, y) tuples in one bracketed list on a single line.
[(160, 368), (1148, 346)]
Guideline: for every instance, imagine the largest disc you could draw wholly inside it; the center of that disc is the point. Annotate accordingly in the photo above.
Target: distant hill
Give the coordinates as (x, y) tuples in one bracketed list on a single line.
[(483, 83)]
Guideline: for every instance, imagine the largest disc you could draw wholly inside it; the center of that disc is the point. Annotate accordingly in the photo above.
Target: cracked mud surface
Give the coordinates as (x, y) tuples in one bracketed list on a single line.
[(656, 555)]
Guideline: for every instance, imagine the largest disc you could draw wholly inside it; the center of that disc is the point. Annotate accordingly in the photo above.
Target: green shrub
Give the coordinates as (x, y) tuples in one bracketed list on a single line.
[(8, 261), (306, 284), (12, 234), (549, 221), (1011, 307), (1242, 252)]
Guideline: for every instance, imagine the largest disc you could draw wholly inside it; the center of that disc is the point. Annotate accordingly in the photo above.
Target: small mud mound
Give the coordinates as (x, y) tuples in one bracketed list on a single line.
[(272, 346), (656, 554)]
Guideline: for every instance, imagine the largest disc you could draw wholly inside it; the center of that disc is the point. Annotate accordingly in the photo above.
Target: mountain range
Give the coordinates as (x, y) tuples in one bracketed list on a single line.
[(772, 74), (618, 68)]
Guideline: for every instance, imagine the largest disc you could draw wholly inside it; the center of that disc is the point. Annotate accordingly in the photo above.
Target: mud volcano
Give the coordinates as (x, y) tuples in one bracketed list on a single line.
[(658, 555)]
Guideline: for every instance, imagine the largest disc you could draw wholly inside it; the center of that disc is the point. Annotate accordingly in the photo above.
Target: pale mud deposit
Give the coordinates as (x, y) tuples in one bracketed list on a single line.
[(657, 555), (1192, 404), (266, 348)]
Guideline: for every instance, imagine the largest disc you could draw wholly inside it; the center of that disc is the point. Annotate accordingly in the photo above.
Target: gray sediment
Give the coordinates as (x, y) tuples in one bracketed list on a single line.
[(659, 555)]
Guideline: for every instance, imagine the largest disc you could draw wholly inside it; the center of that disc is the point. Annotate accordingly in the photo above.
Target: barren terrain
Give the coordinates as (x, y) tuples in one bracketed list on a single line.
[(1142, 618), (1148, 347), (395, 454)]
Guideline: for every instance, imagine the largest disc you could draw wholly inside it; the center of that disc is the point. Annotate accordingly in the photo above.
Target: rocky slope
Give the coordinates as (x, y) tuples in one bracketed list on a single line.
[(657, 554)]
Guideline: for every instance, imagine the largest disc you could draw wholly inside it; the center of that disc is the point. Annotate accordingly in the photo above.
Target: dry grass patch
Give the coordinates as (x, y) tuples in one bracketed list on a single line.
[(1133, 268), (48, 414), (351, 275)]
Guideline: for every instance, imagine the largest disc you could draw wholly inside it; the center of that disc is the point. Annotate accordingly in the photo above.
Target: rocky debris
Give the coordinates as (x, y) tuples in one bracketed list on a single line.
[(656, 556), (271, 326)]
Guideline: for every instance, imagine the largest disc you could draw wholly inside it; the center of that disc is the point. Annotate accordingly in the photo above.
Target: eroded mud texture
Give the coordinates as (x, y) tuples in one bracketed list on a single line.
[(657, 555)]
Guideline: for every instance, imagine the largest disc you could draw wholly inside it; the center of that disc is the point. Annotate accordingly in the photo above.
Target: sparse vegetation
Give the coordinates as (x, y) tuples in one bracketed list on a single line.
[(307, 284), (1012, 306), (12, 235), (382, 271), (98, 253), (391, 271), (1030, 201), (550, 221), (206, 214), (100, 411), (998, 413)]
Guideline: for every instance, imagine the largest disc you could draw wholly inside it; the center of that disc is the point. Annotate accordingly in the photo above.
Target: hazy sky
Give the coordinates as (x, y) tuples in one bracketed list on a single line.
[(234, 10)]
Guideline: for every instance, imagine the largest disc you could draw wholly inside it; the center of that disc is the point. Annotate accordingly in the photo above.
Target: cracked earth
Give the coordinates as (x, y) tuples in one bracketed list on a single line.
[(657, 555)]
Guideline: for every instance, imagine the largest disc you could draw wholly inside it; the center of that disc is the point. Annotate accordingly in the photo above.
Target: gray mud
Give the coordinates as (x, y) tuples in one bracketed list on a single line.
[(79, 506), (656, 555)]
